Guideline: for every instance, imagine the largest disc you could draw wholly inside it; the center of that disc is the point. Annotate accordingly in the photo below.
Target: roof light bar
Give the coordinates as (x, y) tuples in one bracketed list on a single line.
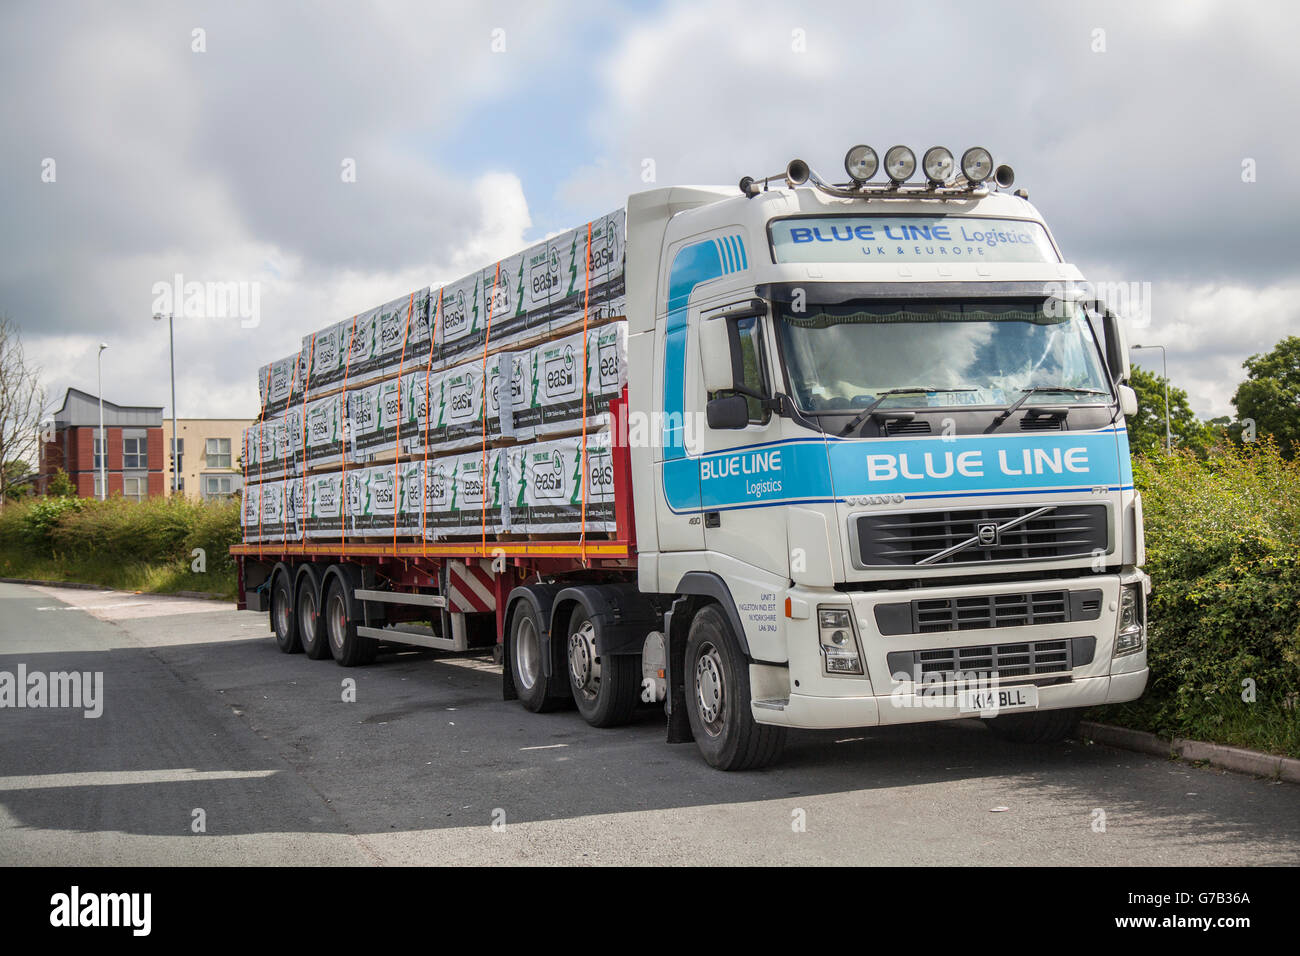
[(945, 178)]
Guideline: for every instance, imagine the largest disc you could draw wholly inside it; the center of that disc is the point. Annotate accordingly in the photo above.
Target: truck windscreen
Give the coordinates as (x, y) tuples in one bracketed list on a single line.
[(915, 354)]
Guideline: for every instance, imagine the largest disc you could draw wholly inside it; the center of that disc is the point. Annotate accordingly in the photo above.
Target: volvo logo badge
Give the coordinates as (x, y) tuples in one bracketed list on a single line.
[(987, 533)]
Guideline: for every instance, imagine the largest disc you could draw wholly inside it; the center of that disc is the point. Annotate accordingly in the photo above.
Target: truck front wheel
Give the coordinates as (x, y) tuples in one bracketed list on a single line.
[(717, 698), (605, 688)]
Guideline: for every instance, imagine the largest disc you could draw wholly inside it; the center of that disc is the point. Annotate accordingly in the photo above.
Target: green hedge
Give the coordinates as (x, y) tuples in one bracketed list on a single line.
[(1223, 552), (146, 545)]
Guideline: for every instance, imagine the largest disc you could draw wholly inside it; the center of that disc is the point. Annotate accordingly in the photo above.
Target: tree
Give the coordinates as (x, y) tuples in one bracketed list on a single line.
[(18, 477), (1146, 429), (22, 400), (60, 485), (1270, 397)]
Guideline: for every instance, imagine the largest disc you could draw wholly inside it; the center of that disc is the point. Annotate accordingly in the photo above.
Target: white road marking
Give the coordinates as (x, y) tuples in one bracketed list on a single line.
[(117, 778)]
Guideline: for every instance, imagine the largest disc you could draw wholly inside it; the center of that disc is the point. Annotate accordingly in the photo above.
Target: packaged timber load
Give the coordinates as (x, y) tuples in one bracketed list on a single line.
[(462, 405), (289, 439), (324, 509), (459, 499), (280, 384), (272, 511), (379, 415), (557, 379), (546, 486), (249, 511), (429, 379), (324, 431), (383, 500), (367, 346)]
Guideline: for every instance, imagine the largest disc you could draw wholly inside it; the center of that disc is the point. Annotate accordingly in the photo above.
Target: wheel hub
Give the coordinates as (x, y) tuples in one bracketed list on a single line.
[(584, 666), (709, 689), (528, 654)]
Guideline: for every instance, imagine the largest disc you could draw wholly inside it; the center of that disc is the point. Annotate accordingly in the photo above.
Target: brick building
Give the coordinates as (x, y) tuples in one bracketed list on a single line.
[(134, 439)]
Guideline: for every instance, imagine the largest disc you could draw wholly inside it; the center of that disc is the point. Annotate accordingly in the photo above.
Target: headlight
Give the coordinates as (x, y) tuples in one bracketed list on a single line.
[(839, 641), (937, 164), (976, 164), (1131, 636), (861, 163), (900, 163)]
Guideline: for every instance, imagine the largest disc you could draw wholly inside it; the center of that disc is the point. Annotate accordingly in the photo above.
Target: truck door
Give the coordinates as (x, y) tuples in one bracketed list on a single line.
[(741, 469)]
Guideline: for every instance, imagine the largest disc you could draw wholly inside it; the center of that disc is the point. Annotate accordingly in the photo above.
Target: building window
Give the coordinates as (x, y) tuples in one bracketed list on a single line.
[(99, 486), (218, 486), (179, 464), (135, 453), (137, 489), (218, 453), (99, 453)]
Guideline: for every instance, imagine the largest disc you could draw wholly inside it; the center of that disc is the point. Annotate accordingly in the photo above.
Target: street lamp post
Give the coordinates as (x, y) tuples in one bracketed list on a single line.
[(171, 345), (1164, 371), (103, 441)]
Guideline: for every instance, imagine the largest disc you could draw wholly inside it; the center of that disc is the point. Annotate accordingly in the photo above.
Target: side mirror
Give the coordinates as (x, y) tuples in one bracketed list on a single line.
[(715, 355), (731, 411), (1116, 345), (1128, 401)]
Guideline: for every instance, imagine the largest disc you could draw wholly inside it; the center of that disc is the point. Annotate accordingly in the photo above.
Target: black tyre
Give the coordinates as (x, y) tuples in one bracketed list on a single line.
[(311, 626), (1040, 727), (717, 698), (605, 688), (283, 621), (536, 691), (343, 642)]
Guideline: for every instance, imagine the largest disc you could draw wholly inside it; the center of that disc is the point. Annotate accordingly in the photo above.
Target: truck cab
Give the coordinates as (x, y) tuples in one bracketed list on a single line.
[(879, 462)]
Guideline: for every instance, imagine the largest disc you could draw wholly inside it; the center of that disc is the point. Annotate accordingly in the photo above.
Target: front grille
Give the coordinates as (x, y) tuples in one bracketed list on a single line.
[(895, 427), (995, 661), (910, 538), (1001, 610), (1042, 423), (979, 611)]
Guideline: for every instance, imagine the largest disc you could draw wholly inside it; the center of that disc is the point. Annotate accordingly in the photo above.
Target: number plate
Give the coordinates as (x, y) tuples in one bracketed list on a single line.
[(997, 700)]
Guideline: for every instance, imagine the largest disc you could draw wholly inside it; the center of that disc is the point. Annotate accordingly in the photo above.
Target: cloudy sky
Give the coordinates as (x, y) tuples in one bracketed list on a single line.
[(221, 155)]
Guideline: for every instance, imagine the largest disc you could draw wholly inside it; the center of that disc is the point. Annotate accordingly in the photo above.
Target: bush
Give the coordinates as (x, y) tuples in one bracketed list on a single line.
[(1223, 552), (119, 543)]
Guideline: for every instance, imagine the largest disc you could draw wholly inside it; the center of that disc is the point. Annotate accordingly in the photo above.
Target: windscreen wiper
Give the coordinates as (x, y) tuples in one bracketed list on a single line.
[(867, 412), (1033, 390)]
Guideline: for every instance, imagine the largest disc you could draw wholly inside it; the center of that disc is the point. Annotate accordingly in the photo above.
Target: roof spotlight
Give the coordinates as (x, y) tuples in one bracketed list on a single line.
[(976, 164), (861, 163), (938, 164), (900, 163)]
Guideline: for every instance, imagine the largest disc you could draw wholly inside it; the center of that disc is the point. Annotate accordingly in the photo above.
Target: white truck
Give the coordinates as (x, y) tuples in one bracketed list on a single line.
[(870, 466)]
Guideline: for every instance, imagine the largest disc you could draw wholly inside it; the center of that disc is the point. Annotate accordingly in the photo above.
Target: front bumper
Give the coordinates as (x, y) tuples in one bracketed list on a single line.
[(829, 713), (804, 696)]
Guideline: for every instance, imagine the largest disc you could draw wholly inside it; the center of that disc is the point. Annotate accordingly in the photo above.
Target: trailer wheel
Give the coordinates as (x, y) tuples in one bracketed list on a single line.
[(283, 621), (349, 649), (1040, 727), (311, 628), (717, 698), (537, 692), (605, 688)]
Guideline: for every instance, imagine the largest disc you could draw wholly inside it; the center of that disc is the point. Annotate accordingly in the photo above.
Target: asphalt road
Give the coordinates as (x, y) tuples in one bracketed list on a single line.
[(204, 720)]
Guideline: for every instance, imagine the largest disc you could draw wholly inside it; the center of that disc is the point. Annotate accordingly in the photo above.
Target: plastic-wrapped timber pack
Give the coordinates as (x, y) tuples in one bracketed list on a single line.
[(383, 423)]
